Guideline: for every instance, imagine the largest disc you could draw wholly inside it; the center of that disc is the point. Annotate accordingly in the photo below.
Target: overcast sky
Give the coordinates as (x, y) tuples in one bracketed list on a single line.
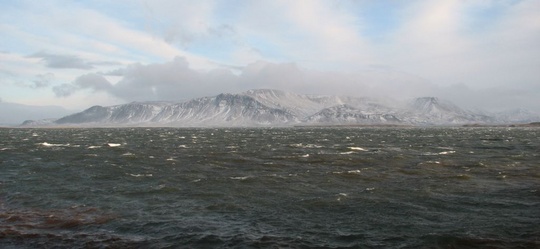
[(477, 53)]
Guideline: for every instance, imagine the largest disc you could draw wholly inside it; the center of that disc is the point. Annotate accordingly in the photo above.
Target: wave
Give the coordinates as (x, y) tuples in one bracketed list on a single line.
[(46, 144), (357, 148)]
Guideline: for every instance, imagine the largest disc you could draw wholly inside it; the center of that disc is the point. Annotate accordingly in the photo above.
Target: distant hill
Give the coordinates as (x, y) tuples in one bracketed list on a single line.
[(266, 107), (14, 114)]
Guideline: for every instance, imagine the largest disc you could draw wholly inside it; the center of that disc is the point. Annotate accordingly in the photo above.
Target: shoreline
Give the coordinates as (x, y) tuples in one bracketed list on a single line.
[(518, 125)]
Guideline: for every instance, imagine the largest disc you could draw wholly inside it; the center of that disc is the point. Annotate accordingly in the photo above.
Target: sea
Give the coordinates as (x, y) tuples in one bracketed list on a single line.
[(296, 187)]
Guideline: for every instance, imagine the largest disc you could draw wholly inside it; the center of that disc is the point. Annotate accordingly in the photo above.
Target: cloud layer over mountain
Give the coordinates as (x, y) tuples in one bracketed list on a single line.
[(478, 52)]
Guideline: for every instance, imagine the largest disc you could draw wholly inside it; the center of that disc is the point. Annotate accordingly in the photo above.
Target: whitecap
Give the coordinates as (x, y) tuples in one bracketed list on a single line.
[(447, 152), (430, 162), (301, 145), (113, 145), (370, 189), (52, 145), (306, 155), (93, 147), (356, 172), (128, 154), (239, 177), (341, 195), (357, 148), (170, 159), (182, 146), (141, 175), (347, 153)]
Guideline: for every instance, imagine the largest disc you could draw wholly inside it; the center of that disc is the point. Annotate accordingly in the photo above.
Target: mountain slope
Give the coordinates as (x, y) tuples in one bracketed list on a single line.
[(345, 114), (223, 109), (296, 104), (131, 113), (433, 111), (12, 113), (264, 107), (517, 116)]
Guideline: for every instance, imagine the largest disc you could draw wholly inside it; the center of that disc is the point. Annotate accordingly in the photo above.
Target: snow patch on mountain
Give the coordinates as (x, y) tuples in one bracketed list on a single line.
[(266, 107), (519, 115), (434, 111), (346, 114)]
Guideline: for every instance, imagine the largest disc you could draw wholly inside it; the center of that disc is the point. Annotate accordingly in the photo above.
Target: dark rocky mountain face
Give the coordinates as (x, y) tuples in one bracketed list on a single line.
[(346, 114), (93, 114)]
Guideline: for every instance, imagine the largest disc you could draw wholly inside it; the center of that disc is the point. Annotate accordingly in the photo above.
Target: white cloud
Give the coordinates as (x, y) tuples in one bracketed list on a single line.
[(72, 29), (437, 42), (316, 34), (309, 47), (176, 80)]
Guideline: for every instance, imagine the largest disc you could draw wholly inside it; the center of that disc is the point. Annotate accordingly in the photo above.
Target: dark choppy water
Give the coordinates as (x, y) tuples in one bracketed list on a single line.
[(253, 188)]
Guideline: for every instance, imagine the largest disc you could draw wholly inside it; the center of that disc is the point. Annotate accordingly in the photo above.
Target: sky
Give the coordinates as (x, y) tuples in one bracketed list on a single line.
[(482, 54)]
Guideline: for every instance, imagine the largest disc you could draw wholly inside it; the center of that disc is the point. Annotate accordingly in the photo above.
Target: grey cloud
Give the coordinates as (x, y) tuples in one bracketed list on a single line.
[(91, 81), (64, 90), (184, 37), (175, 80), (61, 61), (116, 72), (170, 81), (41, 81), (68, 61), (493, 99)]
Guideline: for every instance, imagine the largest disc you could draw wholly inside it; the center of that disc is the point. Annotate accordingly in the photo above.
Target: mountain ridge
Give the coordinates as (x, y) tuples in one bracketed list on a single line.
[(269, 107)]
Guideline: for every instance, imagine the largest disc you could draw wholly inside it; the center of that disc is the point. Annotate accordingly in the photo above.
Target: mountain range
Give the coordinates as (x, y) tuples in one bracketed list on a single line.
[(13, 113), (266, 107)]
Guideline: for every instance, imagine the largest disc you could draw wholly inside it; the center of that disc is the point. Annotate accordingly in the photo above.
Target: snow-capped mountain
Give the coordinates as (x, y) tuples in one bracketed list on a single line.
[(223, 109), (132, 113), (264, 107), (220, 110), (518, 116), (12, 113), (433, 111)]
